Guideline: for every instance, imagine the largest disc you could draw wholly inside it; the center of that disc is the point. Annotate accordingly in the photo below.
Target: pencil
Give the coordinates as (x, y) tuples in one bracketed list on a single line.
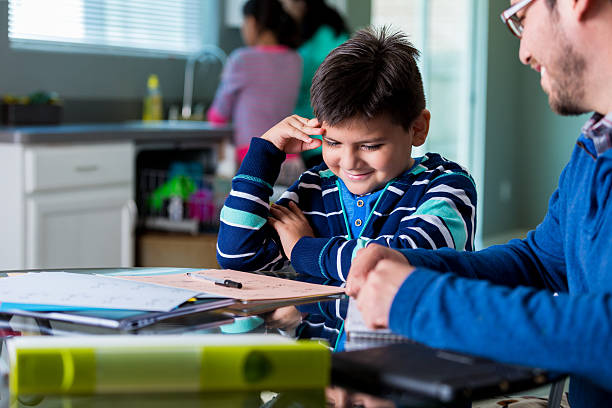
[(228, 283)]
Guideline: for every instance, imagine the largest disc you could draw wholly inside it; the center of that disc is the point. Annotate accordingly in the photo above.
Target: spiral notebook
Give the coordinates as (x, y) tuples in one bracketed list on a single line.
[(359, 336)]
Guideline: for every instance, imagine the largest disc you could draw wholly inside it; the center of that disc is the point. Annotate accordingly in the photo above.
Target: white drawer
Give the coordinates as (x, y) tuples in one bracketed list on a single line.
[(66, 166)]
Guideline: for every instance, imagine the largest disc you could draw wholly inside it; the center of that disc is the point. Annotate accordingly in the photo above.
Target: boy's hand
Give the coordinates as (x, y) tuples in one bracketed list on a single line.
[(290, 224), (284, 318), (291, 135)]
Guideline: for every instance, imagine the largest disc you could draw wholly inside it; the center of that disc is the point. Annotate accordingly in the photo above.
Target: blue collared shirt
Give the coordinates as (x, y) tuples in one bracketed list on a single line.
[(359, 207), (599, 129)]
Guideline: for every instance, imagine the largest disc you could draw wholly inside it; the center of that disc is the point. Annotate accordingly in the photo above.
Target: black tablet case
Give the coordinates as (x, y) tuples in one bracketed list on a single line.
[(412, 369)]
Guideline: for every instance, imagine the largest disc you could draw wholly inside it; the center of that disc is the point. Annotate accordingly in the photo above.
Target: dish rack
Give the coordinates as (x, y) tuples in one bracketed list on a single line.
[(180, 201)]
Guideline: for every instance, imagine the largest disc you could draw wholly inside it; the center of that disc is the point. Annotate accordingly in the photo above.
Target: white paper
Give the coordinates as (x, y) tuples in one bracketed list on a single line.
[(90, 291), (254, 286), (354, 323)]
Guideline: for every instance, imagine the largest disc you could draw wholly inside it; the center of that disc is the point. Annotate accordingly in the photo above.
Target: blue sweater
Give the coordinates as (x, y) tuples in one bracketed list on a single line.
[(499, 302), (432, 205)]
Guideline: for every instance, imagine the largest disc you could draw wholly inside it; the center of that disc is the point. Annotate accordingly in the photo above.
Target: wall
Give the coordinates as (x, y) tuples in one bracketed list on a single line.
[(547, 140), (527, 145), (502, 138), (358, 13)]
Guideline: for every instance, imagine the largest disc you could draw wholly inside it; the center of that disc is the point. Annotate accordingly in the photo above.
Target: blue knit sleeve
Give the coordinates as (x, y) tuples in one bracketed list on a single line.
[(536, 261), (528, 326), (245, 240)]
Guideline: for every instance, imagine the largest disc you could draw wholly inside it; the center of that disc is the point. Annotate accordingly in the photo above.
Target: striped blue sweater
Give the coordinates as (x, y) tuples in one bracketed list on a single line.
[(432, 205)]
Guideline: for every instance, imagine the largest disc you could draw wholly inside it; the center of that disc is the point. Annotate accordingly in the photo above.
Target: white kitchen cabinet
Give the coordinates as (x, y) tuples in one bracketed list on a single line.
[(66, 205)]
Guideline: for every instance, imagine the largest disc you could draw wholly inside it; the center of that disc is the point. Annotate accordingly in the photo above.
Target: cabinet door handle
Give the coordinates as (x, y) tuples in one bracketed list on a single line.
[(86, 168)]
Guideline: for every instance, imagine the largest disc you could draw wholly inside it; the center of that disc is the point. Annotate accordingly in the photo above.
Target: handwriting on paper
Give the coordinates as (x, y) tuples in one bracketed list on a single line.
[(254, 286)]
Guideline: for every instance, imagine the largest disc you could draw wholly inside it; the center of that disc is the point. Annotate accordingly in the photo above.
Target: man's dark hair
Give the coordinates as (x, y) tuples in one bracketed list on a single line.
[(373, 73), (270, 15)]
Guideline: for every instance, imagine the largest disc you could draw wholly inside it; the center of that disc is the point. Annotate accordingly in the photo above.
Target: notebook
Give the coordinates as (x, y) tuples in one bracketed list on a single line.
[(125, 320), (359, 336), (414, 370)]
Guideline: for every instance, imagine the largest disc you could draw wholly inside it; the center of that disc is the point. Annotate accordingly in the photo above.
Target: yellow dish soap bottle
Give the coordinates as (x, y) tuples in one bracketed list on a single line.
[(152, 104)]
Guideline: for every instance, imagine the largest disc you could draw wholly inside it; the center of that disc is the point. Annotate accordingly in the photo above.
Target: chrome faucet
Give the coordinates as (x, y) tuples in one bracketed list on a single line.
[(208, 52)]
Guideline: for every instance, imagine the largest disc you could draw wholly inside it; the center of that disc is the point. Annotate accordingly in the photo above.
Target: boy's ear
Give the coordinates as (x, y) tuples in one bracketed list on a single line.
[(420, 127)]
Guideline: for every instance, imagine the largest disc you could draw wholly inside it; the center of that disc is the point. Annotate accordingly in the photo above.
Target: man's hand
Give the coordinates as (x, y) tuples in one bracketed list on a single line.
[(292, 134), (290, 224), (380, 287), (365, 261)]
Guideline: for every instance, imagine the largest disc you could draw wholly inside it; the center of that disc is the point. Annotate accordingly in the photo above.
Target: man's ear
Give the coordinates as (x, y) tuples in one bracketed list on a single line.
[(420, 127), (583, 8)]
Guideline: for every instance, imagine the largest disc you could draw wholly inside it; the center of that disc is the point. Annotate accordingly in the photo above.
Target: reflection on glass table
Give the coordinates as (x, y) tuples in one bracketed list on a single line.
[(255, 399), (215, 321)]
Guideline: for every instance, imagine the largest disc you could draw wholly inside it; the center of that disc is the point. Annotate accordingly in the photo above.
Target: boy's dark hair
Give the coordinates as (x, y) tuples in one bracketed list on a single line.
[(270, 15), (373, 73)]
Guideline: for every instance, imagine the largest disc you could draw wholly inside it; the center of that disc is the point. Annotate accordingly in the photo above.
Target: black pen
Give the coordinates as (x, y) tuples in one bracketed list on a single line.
[(221, 282)]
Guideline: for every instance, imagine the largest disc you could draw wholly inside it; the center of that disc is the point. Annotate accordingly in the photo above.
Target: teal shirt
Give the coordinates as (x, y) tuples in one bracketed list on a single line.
[(313, 52)]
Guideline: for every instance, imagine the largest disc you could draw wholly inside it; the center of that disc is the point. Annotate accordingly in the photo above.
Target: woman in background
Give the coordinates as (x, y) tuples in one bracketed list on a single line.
[(321, 30), (260, 82)]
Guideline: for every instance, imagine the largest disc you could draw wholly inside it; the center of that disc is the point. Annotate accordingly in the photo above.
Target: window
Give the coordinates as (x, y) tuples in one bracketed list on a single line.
[(128, 27), (451, 35), (443, 31)]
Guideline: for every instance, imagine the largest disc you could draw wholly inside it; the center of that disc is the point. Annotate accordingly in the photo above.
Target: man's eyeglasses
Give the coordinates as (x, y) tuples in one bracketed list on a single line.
[(510, 18)]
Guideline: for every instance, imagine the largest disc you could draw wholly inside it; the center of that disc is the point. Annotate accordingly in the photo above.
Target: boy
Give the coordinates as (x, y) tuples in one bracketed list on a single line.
[(369, 105)]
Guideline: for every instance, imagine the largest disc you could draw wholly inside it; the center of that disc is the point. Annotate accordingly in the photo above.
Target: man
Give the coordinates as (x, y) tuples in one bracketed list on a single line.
[(500, 302)]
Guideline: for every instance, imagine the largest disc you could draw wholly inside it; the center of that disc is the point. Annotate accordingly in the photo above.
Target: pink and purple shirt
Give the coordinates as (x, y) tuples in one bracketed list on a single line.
[(259, 87)]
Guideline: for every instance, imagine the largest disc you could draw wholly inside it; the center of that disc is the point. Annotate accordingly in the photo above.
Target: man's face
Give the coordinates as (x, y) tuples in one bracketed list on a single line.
[(546, 47), (365, 155)]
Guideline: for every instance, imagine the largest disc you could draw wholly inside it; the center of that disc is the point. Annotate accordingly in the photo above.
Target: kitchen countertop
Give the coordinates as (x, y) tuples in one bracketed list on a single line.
[(136, 131)]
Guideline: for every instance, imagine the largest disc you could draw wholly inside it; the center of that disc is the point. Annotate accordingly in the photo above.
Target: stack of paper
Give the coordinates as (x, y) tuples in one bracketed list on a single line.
[(132, 302), (69, 291)]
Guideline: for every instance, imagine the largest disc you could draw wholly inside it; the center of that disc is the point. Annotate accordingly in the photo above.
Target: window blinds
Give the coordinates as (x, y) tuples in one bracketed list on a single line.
[(132, 27)]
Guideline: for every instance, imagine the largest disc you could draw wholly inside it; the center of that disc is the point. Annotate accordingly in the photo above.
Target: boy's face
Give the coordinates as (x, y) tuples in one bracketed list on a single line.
[(365, 155)]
